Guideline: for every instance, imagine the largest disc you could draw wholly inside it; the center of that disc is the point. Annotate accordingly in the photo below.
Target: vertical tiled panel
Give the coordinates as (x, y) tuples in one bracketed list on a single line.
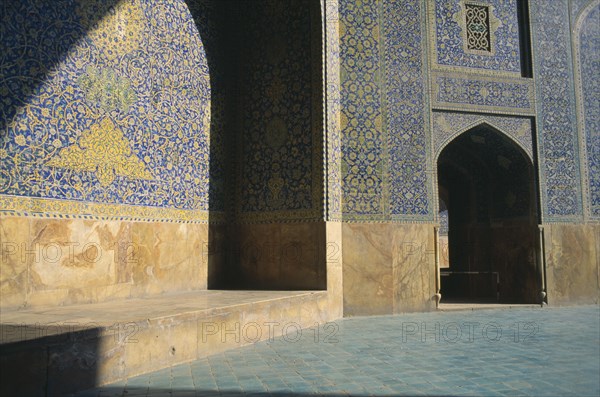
[(557, 136)]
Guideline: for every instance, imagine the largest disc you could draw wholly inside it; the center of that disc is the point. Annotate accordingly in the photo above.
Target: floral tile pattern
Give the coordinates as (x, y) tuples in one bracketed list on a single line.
[(104, 103), (556, 118)]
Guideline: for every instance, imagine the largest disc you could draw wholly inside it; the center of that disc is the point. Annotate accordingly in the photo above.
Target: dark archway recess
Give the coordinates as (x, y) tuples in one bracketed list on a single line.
[(265, 63), (489, 188)]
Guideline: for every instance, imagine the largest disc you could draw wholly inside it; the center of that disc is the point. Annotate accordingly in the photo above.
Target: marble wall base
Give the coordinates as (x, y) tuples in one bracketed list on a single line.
[(388, 268), (572, 263), (276, 256), (333, 259), (47, 261)]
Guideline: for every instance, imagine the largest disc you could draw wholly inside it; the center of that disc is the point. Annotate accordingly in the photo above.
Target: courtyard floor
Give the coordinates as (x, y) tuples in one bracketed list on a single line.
[(550, 351)]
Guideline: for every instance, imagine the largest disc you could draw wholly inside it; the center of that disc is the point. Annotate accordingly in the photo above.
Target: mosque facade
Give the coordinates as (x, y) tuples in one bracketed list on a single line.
[(347, 146)]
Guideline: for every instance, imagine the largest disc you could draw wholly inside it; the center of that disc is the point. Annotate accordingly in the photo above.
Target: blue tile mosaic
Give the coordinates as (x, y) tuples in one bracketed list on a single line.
[(384, 143), (446, 126), (280, 109), (557, 137), (363, 141), (104, 102), (405, 117), (588, 90), (484, 93), (449, 35)]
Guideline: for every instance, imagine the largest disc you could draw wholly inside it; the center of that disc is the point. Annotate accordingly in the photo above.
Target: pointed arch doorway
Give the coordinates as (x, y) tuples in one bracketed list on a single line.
[(488, 209)]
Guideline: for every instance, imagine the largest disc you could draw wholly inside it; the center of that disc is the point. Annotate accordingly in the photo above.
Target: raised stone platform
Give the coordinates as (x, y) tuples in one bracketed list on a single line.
[(51, 351), (455, 306)]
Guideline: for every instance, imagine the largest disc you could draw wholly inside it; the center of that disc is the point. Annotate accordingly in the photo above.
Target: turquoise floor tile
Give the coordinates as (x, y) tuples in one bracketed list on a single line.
[(371, 358)]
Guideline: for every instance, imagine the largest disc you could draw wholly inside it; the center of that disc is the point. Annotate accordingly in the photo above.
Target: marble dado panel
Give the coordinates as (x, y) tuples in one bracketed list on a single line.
[(482, 94), (388, 268), (448, 125), (279, 255), (333, 259), (47, 262), (572, 263)]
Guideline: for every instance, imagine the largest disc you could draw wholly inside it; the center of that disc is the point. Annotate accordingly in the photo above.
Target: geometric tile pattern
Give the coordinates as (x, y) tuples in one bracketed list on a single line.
[(104, 103), (460, 353), (449, 37), (478, 27), (587, 60), (557, 133)]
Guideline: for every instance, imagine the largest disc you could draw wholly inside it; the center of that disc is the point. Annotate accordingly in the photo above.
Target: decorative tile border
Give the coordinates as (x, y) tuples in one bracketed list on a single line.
[(451, 91), (332, 171), (447, 126), (586, 56), (52, 208)]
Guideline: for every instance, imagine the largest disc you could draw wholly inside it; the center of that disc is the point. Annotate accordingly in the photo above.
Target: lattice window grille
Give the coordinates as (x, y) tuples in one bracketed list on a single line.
[(478, 27)]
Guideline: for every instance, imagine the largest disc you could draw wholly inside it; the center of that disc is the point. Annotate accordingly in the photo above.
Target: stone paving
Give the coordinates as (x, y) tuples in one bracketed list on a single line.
[(512, 352)]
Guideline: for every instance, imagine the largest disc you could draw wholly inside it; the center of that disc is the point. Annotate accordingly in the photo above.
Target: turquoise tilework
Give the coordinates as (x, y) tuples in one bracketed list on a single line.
[(517, 352)]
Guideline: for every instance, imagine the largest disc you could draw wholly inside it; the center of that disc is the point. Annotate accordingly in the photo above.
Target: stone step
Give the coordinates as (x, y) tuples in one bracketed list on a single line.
[(52, 351)]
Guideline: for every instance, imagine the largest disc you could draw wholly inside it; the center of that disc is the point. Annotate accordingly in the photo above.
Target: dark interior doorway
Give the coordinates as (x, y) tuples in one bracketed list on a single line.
[(487, 185)]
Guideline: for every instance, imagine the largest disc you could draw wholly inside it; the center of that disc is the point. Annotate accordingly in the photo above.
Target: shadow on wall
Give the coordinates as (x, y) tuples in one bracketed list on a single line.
[(215, 23), (264, 120), (47, 360), (28, 58), (42, 360)]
